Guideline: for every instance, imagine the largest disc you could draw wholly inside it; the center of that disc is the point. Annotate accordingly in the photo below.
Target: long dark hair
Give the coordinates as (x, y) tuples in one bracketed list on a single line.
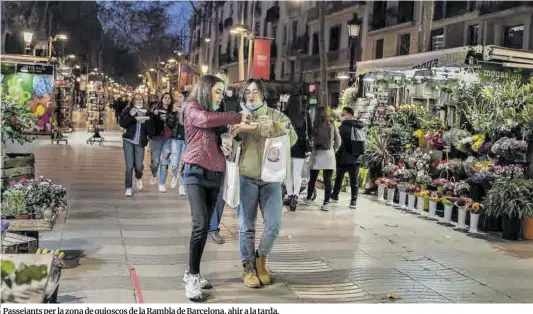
[(322, 129), (201, 92), (160, 103), (294, 111)]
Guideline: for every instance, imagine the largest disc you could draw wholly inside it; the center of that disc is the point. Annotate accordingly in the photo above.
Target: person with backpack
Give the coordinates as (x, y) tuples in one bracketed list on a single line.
[(350, 155)]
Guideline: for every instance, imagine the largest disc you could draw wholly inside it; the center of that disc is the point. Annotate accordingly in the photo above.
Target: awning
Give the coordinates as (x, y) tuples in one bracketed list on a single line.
[(24, 58), (509, 57), (427, 60)]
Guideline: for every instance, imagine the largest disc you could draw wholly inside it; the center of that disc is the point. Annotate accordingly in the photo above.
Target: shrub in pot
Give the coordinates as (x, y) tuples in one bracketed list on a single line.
[(512, 199)]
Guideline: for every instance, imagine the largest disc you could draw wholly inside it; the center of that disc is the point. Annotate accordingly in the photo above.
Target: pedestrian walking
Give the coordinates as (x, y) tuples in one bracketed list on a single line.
[(228, 104), (299, 152), (160, 141), (326, 141), (203, 169), (178, 139), (350, 154), (254, 192), (135, 138)]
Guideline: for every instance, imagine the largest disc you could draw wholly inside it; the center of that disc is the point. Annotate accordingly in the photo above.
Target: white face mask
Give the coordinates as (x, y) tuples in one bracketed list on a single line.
[(138, 104), (342, 119)]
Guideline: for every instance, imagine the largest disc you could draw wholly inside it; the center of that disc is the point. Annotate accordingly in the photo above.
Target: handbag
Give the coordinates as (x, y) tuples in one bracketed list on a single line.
[(231, 192), (276, 159)]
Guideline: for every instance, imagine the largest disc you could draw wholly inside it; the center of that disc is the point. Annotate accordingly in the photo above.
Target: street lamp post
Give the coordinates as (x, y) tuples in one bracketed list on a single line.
[(27, 40), (241, 30), (354, 29)]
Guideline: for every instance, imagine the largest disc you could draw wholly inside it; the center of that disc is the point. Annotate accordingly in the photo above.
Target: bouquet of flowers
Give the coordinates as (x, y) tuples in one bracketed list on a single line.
[(4, 227), (435, 196), (435, 139), (440, 182), (448, 201), (485, 149), (463, 202), (461, 188), (423, 179), (411, 189), (390, 169), (454, 136), (508, 171), (417, 159), (41, 193), (422, 193), (482, 166), (476, 208), (510, 148), (448, 187), (381, 181), (480, 178), (391, 184), (402, 175), (477, 142)]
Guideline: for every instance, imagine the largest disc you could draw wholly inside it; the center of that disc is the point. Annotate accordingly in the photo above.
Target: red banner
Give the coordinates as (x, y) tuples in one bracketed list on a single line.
[(262, 59)]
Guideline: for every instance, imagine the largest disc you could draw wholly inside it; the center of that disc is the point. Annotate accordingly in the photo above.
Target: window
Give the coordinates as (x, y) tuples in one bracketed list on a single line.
[(315, 44), (293, 69), (334, 38), (473, 35), (438, 12), (257, 29), (436, 40), (404, 45), (455, 8), (378, 49), (294, 30), (513, 37), (282, 69), (284, 33)]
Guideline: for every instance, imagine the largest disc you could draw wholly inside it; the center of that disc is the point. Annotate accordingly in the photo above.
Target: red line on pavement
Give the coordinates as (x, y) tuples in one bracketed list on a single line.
[(135, 283)]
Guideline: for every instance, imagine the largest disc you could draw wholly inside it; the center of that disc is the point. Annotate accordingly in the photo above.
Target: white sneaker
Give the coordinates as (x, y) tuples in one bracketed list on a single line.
[(174, 183), (308, 202), (182, 190), (153, 180), (204, 283), (162, 188), (139, 183), (325, 207), (193, 291), (129, 192)]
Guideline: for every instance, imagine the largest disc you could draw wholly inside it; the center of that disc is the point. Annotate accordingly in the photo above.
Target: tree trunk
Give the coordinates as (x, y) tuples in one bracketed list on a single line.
[(322, 52)]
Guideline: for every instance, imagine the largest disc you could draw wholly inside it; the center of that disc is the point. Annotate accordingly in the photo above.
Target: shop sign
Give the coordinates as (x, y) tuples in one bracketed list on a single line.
[(447, 59), (35, 69), (498, 74), (261, 63)]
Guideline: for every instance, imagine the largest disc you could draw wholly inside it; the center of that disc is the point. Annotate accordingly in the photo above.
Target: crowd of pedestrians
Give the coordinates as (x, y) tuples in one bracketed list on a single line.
[(185, 134)]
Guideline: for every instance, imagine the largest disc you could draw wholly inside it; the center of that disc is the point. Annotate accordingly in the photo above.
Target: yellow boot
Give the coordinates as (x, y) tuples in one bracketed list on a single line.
[(262, 272), (249, 276)]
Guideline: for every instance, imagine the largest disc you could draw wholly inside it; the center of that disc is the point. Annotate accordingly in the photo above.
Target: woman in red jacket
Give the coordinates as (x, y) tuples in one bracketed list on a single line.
[(204, 164)]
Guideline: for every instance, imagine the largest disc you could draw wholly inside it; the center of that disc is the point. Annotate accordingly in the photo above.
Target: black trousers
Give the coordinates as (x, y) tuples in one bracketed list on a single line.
[(327, 174), (353, 173), (202, 201)]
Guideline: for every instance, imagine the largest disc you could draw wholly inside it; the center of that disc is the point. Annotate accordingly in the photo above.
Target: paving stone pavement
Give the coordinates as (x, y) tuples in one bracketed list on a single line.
[(342, 255)]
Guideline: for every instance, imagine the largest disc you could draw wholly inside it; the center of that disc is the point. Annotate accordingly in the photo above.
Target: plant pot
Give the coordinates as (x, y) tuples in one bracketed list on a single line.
[(448, 213), (461, 218), (511, 228), (390, 196), (432, 209), (22, 217), (402, 200), (381, 193), (411, 201), (474, 221), (420, 203), (487, 223), (527, 230)]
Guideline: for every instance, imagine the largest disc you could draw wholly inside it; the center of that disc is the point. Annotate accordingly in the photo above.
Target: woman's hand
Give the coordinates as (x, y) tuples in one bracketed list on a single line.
[(246, 118), (133, 112), (225, 150), (233, 130)]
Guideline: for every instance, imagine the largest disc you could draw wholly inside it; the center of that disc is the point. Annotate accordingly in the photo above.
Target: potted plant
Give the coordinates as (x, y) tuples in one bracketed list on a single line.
[(16, 119), (513, 201), (434, 198), (474, 210), (462, 204), (448, 203), (411, 189), (42, 196), (14, 200)]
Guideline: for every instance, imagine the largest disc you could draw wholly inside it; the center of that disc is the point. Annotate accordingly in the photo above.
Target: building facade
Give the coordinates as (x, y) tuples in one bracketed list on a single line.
[(389, 28)]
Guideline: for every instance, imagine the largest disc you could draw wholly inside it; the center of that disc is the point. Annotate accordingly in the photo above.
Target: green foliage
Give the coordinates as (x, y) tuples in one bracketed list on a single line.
[(23, 275), (348, 97), (513, 198), (14, 202), (16, 119), (377, 154)]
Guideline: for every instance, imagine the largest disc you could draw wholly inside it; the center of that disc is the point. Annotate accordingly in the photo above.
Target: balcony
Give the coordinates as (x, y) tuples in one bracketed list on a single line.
[(392, 16), (488, 7), (334, 58), (332, 7), (300, 45), (273, 14)]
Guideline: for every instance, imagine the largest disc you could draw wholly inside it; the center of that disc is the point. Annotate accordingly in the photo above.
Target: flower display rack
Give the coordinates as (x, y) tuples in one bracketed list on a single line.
[(17, 166), (23, 225), (15, 243)]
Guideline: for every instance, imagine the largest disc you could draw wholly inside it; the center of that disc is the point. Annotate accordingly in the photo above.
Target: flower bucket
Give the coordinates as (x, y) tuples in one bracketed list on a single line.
[(474, 220), (381, 193), (411, 201), (528, 229), (461, 218), (402, 200), (448, 210), (420, 202), (432, 209), (511, 228), (390, 196)]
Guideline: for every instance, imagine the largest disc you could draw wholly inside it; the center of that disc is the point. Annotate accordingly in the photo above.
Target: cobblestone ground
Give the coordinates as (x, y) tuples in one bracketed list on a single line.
[(367, 255)]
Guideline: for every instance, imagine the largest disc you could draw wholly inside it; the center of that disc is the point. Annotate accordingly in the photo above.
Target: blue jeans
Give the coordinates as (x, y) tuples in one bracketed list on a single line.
[(133, 156), (217, 212), (267, 196), (157, 147), (177, 147)]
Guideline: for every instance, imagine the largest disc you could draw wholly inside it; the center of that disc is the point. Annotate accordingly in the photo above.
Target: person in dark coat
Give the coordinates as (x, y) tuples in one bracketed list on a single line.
[(301, 123), (350, 154)]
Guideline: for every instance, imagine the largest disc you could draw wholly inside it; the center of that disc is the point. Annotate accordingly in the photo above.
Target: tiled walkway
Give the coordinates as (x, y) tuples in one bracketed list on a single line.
[(337, 256)]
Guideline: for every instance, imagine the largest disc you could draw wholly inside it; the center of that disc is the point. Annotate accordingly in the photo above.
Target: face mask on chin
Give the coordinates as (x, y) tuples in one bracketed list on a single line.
[(138, 104), (254, 107), (342, 119)]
